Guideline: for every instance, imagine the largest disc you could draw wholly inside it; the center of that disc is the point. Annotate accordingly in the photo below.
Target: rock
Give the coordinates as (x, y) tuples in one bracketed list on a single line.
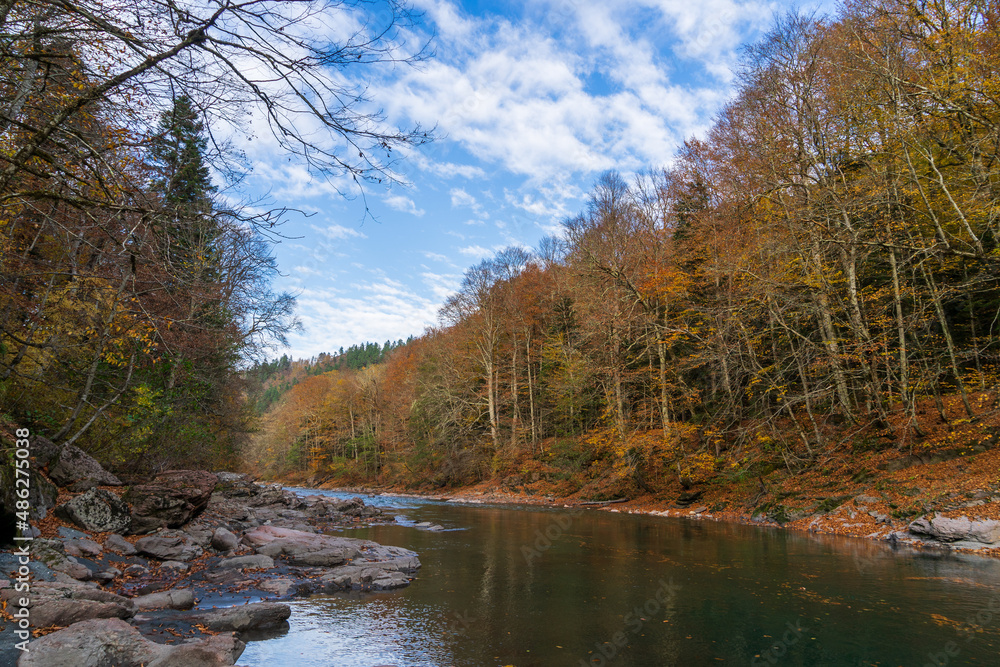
[(169, 546), (236, 485), (65, 531), (961, 529), (74, 465), (223, 540), (175, 565), (254, 562), (78, 546), (41, 494), (175, 599), (119, 545), (107, 642), (65, 612), (326, 550), (53, 555), (171, 500), (136, 570), (43, 451), (257, 616), (201, 534), (279, 587), (97, 510)]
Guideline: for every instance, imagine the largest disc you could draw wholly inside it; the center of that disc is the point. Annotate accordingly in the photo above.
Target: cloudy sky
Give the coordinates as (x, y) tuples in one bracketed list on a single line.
[(532, 100)]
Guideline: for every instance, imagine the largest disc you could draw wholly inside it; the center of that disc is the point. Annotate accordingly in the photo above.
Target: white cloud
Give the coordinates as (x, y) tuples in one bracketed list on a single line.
[(337, 232), (404, 204), (475, 251)]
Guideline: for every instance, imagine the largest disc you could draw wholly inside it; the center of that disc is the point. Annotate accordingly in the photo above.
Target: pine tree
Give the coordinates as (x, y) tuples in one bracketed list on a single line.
[(184, 183)]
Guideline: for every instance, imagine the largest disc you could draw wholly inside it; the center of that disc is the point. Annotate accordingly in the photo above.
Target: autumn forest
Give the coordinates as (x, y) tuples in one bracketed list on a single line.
[(816, 273)]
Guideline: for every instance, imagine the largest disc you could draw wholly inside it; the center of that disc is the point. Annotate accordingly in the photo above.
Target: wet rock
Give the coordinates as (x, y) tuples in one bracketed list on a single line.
[(257, 616), (224, 540), (175, 565), (54, 556), (97, 510), (105, 642), (279, 587), (175, 599), (169, 546), (961, 529), (254, 562), (74, 465), (119, 545), (171, 500)]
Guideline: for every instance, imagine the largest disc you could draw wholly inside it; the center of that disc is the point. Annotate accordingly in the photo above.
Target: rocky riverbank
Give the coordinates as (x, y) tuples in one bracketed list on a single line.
[(181, 570)]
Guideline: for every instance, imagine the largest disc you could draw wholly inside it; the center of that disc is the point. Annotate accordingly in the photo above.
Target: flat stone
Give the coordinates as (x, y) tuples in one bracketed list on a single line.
[(119, 545), (173, 599), (254, 562), (108, 642), (175, 546)]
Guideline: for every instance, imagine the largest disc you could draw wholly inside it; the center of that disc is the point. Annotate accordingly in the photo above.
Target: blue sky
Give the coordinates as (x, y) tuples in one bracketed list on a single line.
[(532, 101)]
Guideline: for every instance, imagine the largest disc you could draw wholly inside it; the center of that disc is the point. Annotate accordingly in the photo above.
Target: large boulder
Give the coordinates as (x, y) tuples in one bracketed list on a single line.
[(75, 465), (171, 545), (171, 500), (257, 616), (56, 603), (236, 485), (97, 510), (107, 642), (962, 529)]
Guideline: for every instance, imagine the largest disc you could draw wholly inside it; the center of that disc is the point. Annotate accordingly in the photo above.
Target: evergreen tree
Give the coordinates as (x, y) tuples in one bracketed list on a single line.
[(184, 183)]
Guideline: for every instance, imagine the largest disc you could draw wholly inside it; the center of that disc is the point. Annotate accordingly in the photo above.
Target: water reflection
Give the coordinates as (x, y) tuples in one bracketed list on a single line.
[(534, 586)]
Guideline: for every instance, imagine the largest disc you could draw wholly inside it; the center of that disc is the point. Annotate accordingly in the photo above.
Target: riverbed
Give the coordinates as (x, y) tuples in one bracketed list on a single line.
[(533, 586)]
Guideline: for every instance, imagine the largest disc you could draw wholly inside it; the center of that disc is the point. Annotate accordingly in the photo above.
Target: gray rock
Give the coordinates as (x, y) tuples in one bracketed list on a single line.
[(77, 546), (108, 642), (254, 562), (257, 616), (74, 465), (224, 540), (97, 510), (66, 612), (119, 545), (43, 451), (175, 599), (961, 529), (327, 550), (41, 494), (171, 500), (279, 587), (175, 565), (53, 555), (169, 545), (136, 570), (64, 531)]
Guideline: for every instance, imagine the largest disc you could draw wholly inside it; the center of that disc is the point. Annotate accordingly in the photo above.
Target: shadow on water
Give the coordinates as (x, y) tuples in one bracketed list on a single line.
[(536, 586)]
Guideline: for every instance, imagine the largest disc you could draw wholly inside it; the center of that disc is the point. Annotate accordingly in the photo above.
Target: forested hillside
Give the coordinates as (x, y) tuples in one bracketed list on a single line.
[(135, 274), (817, 273)]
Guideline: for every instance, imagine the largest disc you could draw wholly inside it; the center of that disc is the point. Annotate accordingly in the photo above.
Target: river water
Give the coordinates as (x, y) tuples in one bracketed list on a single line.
[(531, 586)]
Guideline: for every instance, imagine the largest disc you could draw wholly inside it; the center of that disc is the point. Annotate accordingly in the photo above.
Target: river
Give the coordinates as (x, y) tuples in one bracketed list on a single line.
[(531, 586)]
